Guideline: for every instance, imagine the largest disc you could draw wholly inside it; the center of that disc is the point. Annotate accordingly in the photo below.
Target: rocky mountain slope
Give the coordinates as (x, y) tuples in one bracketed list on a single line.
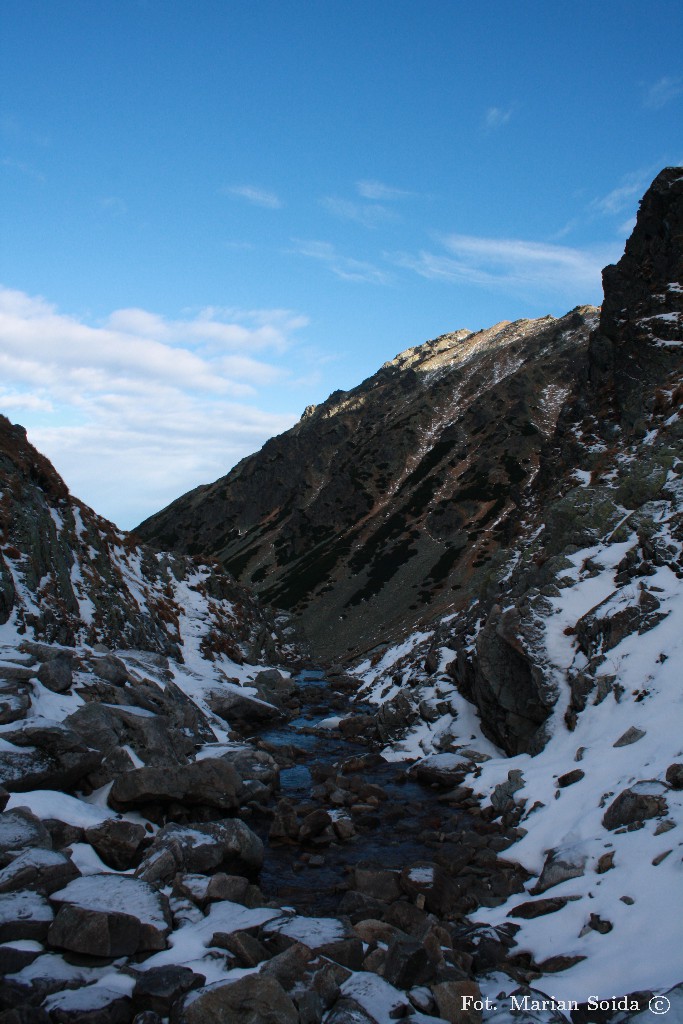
[(571, 655), (68, 576), (385, 505), (514, 852)]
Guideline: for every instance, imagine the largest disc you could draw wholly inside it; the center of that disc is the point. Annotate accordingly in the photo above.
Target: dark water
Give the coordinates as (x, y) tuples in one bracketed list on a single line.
[(391, 836)]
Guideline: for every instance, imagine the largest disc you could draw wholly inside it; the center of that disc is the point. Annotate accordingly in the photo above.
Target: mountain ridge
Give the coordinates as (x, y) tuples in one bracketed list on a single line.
[(373, 504)]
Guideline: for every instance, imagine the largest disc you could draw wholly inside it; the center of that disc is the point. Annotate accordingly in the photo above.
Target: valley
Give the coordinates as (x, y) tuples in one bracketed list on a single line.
[(384, 724)]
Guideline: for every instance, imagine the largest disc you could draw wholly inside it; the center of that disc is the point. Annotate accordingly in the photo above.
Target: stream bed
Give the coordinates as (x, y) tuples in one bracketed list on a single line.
[(402, 829)]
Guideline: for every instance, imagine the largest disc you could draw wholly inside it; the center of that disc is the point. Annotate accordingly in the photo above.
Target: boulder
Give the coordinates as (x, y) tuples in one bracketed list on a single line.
[(206, 889), (674, 775), (378, 883), (243, 711), (57, 674), (395, 716), (273, 687), (253, 999), (93, 1004), (21, 830), (407, 963), (159, 987), (154, 737), (15, 701), (116, 842), (92, 919), (558, 868), (45, 755), (201, 847), (40, 870), (24, 915), (253, 765), (645, 800), (455, 999), (212, 782)]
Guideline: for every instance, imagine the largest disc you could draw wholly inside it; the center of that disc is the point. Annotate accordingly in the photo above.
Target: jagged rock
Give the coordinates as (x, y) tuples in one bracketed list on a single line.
[(91, 917), (502, 797), (674, 775), (253, 765), (40, 870), (48, 755), (20, 831), (456, 1001), (538, 908), (273, 686), (254, 999), (510, 689), (632, 735), (116, 842), (201, 847), (558, 868), (56, 674), (395, 716), (15, 701), (90, 1005), (243, 711), (314, 824), (159, 987), (111, 669), (407, 963), (289, 966), (633, 805), (285, 824), (203, 889), (377, 883), (212, 782), (347, 1011), (153, 738)]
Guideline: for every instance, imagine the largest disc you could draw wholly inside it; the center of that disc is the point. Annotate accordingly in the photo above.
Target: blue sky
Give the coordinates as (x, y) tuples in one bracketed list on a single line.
[(216, 213)]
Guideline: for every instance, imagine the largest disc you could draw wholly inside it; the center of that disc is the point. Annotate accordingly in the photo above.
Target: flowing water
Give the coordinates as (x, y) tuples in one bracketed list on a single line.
[(393, 835)]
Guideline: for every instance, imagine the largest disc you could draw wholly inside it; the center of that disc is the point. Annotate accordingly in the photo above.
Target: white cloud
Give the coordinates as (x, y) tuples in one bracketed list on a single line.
[(139, 408), (255, 195), (344, 267), (496, 117), (627, 227), (377, 190), (370, 215), (624, 196), (663, 91), (514, 265)]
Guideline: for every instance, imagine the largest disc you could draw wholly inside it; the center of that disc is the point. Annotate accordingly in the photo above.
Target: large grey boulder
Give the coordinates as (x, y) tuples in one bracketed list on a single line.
[(21, 830), (644, 800), (57, 674), (201, 847), (41, 870), (212, 782), (46, 755), (243, 711), (24, 915), (110, 915), (254, 999), (116, 842)]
